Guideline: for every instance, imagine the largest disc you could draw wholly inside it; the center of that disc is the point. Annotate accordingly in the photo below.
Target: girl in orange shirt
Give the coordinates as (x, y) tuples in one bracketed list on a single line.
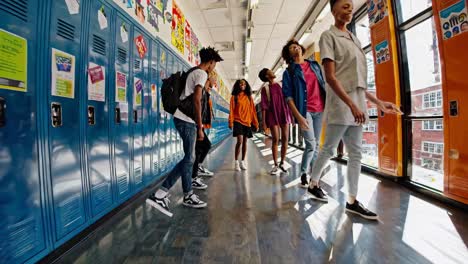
[(242, 119)]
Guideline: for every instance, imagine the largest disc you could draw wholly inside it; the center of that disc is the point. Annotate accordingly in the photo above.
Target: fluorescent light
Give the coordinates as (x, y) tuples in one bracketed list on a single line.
[(253, 4), (278, 71), (246, 75), (325, 11), (304, 37), (248, 51)]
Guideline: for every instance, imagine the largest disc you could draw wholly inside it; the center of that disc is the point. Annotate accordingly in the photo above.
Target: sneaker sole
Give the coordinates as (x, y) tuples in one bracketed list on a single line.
[(361, 215), (157, 206), (318, 199), (304, 186), (205, 174), (194, 205), (200, 187)]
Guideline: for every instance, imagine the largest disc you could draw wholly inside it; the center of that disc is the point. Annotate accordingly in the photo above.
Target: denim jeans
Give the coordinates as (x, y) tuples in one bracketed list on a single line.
[(311, 139), (188, 134), (352, 138)]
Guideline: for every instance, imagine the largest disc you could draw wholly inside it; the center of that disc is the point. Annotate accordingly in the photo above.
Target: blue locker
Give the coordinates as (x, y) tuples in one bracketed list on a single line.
[(64, 137), (163, 116), (154, 120), (170, 148), (138, 84), (23, 214), (121, 98), (97, 105), (146, 117)]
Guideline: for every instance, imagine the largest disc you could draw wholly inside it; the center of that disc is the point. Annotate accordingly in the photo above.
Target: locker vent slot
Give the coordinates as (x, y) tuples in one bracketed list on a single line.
[(65, 29), (21, 238), (16, 8), (137, 65), (99, 45), (122, 55), (122, 183)]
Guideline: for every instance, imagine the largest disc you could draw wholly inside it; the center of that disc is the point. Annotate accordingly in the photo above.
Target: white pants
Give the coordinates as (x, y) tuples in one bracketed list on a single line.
[(352, 138)]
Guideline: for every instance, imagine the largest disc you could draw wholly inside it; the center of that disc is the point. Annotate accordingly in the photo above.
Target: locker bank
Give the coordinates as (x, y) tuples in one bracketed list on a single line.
[(84, 138)]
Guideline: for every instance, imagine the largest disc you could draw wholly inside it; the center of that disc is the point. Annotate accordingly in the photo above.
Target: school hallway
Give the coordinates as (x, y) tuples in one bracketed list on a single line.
[(254, 217)]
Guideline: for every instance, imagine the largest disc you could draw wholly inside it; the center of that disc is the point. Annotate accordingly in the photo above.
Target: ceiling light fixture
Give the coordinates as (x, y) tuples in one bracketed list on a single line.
[(253, 4), (305, 36), (248, 51)]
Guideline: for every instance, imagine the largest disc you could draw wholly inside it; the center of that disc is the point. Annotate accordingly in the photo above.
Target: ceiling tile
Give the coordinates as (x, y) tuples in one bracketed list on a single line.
[(217, 17), (238, 16), (266, 13), (261, 31), (258, 50), (212, 4), (239, 33), (293, 13), (283, 30), (237, 3), (222, 34)]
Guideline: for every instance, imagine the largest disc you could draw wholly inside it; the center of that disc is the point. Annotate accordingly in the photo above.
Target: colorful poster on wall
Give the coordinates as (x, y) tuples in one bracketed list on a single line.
[(377, 10), (140, 11), (120, 87), (13, 62), (63, 74), (382, 52), (96, 83), (153, 13), (178, 28), (188, 41), (138, 87), (195, 48), (141, 46), (454, 20)]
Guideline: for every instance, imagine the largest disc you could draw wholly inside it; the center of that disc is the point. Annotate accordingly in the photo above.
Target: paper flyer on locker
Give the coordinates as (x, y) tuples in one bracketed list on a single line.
[(63, 74), (13, 62), (96, 82)]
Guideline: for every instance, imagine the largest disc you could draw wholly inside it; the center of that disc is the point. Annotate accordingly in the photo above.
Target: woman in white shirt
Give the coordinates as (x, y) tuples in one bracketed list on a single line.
[(345, 68)]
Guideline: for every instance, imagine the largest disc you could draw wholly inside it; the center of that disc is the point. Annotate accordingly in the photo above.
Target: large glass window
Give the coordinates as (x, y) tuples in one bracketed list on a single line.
[(363, 30), (423, 100)]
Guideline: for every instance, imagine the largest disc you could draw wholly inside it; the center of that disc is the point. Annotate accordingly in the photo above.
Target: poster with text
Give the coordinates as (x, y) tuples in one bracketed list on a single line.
[(178, 28), (454, 20), (96, 83), (63, 74), (120, 87), (188, 41), (382, 52), (376, 10), (13, 62), (138, 87), (140, 44)]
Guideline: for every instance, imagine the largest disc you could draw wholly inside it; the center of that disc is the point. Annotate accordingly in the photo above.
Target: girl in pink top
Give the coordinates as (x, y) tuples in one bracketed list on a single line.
[(275, 114)]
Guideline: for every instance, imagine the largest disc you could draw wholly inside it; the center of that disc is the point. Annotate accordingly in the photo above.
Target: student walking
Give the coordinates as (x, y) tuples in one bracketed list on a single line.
[(304, 90), (242, 119), (345, 68), (190, 130), (276, 116)]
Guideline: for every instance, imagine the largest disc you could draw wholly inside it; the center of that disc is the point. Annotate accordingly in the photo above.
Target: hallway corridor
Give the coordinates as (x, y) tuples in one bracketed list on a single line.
[(253, 217)]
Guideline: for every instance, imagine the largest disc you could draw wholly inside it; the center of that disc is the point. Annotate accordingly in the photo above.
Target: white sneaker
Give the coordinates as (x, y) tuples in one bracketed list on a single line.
[(275, 170), (242, 165), (237, 166), (202, 171)]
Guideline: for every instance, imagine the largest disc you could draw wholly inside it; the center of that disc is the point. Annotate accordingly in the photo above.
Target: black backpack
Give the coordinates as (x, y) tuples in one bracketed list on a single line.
[(171, 89)]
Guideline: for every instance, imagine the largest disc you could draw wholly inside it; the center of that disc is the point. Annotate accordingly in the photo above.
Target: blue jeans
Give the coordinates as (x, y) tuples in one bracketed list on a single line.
[(188, 134), (311, 139), (352, 138)]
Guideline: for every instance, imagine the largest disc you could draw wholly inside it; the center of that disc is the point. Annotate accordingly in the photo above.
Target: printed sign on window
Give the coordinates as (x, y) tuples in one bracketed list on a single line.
[(382, 52), (454, 20)]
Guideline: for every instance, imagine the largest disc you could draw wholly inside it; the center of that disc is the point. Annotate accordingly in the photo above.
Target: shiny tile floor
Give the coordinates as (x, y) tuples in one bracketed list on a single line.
[(253, 217)]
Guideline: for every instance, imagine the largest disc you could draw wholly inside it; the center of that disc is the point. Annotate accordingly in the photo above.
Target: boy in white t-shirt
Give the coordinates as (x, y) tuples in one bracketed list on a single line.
[(190, 131)]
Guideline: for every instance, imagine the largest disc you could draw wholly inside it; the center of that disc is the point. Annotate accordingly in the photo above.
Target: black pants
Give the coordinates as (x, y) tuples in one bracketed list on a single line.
[(201, 151)]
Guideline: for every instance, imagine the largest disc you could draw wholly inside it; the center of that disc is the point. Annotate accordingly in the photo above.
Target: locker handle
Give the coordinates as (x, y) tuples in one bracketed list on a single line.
[(135, 116), (2, 112), (117, 115), (91, 116), (56, 114)]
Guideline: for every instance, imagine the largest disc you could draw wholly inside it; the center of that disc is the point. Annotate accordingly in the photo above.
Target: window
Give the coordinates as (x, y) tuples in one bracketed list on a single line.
[(433, 125), (370, 127), (433, 147), (363, 31), (432, 99), (410, 8)]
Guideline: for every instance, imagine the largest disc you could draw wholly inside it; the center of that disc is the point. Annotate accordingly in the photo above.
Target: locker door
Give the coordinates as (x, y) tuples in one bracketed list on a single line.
[(146, 118), (177, 144), (97, 108), (170, 120), (163, 116), (121, 95), (64, 119), (22, 211), (154, 120), (140, 54)]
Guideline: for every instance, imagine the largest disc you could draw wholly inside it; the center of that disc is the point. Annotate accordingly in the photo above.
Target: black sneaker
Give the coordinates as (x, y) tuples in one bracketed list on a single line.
[(317, 194), (193, 201), (160, 204), (359, 209), (304, 181), (281, 167), (198, 184)]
